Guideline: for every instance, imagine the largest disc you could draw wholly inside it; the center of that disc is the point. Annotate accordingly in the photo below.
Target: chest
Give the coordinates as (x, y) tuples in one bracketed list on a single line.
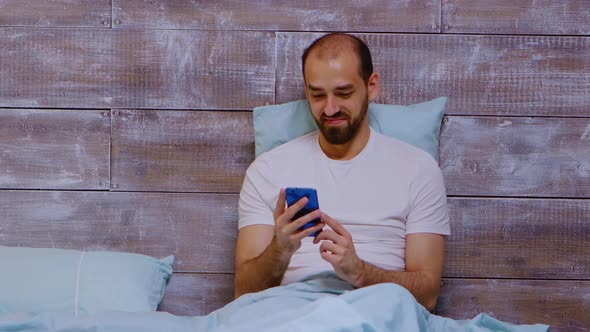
[(372, 192)]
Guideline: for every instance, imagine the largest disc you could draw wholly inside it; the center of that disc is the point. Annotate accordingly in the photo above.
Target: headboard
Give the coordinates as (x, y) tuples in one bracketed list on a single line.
[(127, 125)]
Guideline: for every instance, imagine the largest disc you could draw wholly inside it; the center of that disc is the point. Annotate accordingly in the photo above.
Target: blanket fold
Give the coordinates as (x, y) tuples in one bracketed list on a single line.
[(321, 303)]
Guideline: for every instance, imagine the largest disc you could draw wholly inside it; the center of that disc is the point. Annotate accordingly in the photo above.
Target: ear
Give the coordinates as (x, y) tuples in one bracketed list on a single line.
[(373, 86)]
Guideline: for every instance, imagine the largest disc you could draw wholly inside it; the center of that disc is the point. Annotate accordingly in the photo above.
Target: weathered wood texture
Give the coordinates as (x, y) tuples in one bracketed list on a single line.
[(235, 70), (491, 75), (197, 294), (210, 151), (563, 305), (55, 13), (547, 17), (324, 15), (135, 68), (519, 238), (491, 238), (181, 151), (59, 54), (54, 149), (516, 156), (199, 229)]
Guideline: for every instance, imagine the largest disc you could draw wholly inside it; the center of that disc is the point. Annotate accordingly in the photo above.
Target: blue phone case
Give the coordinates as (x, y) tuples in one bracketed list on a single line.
[(294, 194)]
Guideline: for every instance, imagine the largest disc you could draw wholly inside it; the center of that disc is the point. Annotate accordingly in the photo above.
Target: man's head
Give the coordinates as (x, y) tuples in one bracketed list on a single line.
[(337, 42), (339, 82)]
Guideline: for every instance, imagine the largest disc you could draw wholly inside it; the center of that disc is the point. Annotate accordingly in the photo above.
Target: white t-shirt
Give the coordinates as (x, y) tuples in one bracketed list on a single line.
[(388, 190)]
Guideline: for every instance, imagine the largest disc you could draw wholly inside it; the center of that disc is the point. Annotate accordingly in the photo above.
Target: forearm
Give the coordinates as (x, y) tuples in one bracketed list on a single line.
[(262, 272), (425, 286)]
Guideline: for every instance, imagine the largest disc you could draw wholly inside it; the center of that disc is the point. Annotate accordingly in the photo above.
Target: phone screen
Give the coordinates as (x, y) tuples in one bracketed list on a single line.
[(294, 194)]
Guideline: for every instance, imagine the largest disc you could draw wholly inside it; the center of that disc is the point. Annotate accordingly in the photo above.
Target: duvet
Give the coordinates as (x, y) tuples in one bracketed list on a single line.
[(320, 303)]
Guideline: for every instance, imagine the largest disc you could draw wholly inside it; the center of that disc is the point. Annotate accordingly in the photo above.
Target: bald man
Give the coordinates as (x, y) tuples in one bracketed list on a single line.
[(383, 202)]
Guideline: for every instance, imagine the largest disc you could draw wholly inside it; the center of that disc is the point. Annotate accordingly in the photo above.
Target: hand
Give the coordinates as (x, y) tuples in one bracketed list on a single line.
[(338, 249), (287, 234)]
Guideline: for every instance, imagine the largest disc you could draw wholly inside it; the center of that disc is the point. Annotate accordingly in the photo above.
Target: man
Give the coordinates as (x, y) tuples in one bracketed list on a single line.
[(382, 200)]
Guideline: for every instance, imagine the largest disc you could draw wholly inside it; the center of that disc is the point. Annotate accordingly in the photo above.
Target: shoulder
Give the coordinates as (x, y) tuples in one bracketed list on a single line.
[(399, 150), (298, 145), (284, 153)]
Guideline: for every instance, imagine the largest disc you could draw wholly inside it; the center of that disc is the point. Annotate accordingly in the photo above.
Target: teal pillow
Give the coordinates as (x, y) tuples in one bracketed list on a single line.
[(54, 280), (417, 124)]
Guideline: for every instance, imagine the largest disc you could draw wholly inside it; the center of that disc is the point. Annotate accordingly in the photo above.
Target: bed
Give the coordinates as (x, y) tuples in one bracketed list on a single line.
[(127, 126), (199, 230)]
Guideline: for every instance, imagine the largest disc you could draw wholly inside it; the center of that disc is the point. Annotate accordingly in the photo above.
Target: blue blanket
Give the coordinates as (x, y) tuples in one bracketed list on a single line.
[(322, 303)]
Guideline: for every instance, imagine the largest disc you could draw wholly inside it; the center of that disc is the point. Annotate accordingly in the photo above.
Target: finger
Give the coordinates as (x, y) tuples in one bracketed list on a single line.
[(280, 207), (329, 235), (320, 231), (336, 226), (285, 215), (332, 247), (293, 209), (281, 219), (308, 231), (330, 258), (300, 204), (293, 226)]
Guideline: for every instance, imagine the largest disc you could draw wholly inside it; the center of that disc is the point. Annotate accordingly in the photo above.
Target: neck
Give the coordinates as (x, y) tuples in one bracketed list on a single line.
[(348, 150)]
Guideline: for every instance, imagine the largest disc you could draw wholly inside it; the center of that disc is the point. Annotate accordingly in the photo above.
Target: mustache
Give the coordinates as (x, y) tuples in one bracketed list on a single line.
[(339, 115)]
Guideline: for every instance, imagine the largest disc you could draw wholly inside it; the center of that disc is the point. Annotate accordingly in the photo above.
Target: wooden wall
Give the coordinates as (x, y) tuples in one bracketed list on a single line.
[(126, 125)]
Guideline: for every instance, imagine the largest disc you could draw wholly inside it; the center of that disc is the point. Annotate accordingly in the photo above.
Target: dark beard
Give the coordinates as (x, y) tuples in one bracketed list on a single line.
[(339, 135)]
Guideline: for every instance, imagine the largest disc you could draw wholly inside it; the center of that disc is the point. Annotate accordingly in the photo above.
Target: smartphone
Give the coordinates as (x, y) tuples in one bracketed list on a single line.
[(295, 194)]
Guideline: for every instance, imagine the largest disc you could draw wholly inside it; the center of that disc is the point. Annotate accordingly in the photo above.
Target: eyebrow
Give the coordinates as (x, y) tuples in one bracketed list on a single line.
[(340, 88), (345, 87), (313, 88)]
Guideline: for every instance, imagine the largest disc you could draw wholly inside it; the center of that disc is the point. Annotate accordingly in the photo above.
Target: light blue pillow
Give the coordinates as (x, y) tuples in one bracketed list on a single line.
[(54, 280), (417, 124)]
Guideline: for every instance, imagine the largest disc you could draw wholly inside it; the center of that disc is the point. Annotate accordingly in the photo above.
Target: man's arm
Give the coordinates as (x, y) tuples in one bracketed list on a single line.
[(263, 252), (259, 262), (424, 262)]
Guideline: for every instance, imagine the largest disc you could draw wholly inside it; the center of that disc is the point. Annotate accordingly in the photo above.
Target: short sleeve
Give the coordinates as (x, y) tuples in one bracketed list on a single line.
[(253, 208), (428, 209)]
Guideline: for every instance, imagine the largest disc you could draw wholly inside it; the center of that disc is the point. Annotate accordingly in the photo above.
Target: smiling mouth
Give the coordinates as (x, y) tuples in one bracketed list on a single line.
[(334, 121)]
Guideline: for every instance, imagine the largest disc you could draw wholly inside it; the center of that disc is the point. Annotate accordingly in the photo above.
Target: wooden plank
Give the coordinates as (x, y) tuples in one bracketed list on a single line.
[(181, 151), (491, 75), (55, 13), (518, 238), (197, 294), (490, 237), (566, 17), (563, 305), (516, 156), (323, 15), (163, 69), (479, 156), (199, 229), (54, 149)]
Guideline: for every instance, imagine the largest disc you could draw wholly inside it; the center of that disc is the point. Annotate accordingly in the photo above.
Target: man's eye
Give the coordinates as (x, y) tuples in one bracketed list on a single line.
[(317, 96), (346, 94)]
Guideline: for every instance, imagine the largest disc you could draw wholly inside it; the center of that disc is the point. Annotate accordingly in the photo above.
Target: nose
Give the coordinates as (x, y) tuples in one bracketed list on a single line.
[(331, 107)]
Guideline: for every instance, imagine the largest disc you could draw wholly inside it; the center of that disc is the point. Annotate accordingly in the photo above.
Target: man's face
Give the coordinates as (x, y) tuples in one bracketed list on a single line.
[(337, 95)]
